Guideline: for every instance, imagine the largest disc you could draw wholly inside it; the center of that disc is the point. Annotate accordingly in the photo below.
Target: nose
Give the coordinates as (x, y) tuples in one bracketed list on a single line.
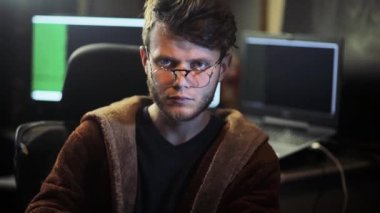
[(180, 78)]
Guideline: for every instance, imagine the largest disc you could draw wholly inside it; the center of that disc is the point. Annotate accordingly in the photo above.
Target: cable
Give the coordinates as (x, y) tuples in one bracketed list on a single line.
[(321, 191), (318, 146)]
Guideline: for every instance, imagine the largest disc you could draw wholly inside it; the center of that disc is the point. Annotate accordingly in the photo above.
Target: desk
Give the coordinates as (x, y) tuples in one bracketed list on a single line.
[(311, 181)]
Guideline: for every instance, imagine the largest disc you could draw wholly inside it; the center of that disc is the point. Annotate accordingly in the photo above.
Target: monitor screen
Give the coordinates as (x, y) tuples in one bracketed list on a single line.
[(291, 77), (56, 37)]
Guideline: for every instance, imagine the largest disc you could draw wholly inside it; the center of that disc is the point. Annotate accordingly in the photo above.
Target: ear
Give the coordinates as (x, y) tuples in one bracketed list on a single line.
[(144, 57), (225, 65)]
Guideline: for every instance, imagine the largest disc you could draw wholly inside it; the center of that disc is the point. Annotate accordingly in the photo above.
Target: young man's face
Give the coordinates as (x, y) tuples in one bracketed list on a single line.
[(184, 98)]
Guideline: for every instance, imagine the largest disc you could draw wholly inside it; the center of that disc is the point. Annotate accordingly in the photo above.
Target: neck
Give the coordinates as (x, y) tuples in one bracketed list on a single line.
[(178, 132)]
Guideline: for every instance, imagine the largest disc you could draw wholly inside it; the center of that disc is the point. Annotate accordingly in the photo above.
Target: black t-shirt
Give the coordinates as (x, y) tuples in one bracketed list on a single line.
[(165, 169)]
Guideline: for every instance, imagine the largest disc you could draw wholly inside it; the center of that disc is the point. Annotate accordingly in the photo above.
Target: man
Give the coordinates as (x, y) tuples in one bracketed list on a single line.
[(169, 152)]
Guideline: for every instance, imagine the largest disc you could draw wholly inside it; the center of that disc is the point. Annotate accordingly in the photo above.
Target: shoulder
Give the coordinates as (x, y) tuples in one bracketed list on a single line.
[(242, 132), (238, 128), (121, 111), (236, 120), (88, 130), (85, 142)]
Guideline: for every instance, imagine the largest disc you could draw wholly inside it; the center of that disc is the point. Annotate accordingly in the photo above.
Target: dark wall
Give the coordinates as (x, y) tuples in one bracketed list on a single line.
[(5, 63), (358, 23)]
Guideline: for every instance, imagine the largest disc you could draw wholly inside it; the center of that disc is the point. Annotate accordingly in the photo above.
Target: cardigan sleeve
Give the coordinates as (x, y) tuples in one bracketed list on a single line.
[(256, 187), (78, 180)]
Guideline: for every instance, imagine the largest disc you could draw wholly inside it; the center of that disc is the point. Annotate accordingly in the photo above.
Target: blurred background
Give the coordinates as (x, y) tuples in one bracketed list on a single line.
[(357, 21)]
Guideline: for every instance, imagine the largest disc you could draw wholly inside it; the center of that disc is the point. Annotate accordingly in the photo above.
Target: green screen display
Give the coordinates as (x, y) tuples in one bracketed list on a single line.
[(49, 59)]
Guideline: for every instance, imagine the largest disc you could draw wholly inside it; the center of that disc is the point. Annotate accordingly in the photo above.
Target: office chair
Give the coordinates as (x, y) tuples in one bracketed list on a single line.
[(97, 74)]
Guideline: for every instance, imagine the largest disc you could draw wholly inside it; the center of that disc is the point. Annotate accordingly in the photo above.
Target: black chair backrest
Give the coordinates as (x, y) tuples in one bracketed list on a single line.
[(99, 74)]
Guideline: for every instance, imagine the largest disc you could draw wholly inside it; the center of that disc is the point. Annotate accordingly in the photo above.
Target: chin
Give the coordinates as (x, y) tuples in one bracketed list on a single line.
[(180, 113)]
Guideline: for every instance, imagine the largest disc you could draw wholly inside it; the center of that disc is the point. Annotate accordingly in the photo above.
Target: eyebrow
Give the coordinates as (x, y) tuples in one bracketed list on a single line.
[(165, 57), (178, 61)]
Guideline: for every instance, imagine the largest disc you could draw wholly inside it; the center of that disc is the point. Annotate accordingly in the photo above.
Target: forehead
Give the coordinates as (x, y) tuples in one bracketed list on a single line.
[(165, 43)]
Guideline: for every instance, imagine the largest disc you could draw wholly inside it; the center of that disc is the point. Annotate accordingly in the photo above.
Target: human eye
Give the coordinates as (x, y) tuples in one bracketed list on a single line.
[(199, 65), (165, 63)]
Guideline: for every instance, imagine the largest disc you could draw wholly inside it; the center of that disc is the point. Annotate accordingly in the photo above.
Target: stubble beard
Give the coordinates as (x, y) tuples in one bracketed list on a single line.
[(176, 115)]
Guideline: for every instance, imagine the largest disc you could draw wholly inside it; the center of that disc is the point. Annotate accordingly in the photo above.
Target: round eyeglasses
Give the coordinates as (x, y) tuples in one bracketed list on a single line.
[(196, 77)]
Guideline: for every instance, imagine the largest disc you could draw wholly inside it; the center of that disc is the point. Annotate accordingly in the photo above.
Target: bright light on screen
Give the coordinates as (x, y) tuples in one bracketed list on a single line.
[(55, 37)]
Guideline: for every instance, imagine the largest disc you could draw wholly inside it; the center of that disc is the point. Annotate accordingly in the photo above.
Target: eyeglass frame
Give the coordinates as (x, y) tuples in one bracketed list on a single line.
[(187, 71)]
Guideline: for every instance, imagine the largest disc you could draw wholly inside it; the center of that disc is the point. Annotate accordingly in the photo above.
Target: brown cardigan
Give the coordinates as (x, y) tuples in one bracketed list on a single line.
[(96, 170)]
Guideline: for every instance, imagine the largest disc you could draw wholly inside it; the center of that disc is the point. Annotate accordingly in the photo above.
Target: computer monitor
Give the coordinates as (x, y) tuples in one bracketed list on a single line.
[(291, 77), (56, 37)]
